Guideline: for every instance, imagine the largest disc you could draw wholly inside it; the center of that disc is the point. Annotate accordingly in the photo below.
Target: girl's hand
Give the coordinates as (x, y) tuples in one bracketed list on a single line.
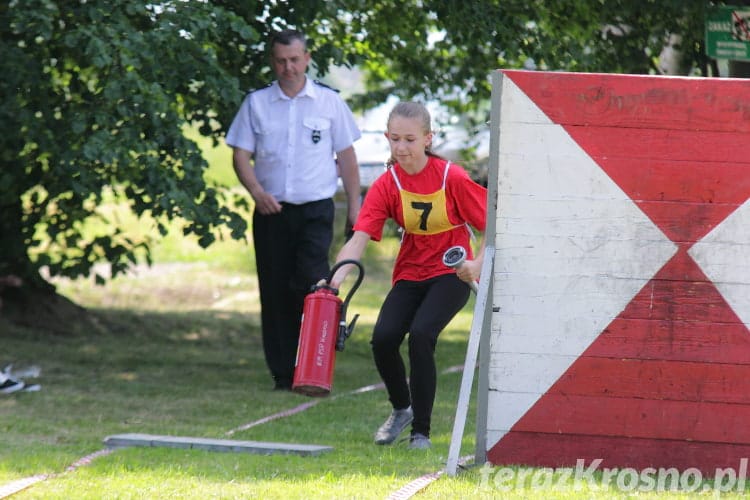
[(469, 271)]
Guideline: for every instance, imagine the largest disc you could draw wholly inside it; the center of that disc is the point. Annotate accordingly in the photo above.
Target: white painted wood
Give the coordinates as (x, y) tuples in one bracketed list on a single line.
[(526, 373), (538, 342), (513, 404), (723, 257), (572, 251), (517, 108)]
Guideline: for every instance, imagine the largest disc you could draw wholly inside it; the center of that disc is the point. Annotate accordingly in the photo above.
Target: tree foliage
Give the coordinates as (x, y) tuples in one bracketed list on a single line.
[(614, 36), (96, 95)]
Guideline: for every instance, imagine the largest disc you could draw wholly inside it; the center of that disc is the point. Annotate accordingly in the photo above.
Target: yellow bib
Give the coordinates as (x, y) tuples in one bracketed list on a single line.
[(424, 213)]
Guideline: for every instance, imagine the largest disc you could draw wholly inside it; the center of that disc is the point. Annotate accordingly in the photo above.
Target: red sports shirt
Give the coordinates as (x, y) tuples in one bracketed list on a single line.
[(421, 256)]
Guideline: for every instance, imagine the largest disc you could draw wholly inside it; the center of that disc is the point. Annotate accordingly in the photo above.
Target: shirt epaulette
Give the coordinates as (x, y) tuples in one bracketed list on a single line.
[(261, 88), (318, 82)]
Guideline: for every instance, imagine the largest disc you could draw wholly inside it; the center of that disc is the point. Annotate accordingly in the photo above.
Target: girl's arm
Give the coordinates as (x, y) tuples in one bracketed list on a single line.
[(353, 249)]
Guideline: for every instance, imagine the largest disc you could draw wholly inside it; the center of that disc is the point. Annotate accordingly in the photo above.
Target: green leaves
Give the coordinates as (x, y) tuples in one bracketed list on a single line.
[(97, 95), (115, 76)]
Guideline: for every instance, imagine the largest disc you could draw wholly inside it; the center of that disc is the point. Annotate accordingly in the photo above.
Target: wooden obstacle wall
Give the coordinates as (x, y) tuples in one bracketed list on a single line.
[(621, 286)]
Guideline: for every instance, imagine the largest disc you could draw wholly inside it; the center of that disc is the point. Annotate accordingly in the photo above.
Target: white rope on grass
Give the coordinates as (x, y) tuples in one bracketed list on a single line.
[(415, 486), (301, 408), (88, 459), (407, 491), (275, 416), (310, 404), (21, 484), (420, 483)]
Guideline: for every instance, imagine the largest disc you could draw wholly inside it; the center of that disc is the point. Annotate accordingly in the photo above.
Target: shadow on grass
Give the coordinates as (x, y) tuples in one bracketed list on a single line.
[(202, 373)]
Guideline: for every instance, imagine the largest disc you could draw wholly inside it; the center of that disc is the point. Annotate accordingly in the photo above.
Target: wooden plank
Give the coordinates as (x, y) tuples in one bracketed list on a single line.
[(559, 216), (553, 228), (624, 417), (560, 450), (658, 299), (716, 152), (674, 300), (637, 102), (225, 445), (674, 340), (527, 373), (656, 379), (640, 418), (707, 151), (626, 378)]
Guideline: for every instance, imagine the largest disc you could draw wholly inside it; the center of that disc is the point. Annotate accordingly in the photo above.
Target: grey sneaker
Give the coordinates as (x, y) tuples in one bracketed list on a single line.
[(394, 425), (419, 441)]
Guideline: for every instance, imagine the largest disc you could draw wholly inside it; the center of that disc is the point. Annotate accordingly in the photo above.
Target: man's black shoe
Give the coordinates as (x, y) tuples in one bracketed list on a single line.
[(282, 384)]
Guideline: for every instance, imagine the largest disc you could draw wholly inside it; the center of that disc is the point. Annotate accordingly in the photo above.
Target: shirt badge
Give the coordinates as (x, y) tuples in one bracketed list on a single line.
[(316, 136)]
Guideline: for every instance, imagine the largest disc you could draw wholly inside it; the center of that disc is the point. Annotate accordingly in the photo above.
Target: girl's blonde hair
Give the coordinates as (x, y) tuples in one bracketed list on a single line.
[(417, 111)]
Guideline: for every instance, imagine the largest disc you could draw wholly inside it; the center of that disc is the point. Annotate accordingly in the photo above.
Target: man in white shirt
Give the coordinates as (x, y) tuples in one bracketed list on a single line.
[(291, 140)]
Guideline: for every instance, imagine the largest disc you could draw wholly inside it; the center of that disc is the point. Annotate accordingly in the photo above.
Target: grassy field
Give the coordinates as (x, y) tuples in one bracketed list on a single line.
[(177, 352)]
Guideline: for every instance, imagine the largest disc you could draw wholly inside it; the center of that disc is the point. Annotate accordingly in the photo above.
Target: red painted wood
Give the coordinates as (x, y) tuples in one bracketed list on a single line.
[(686, 222), (656, 379), (692, 148), (561, 450), (676, 340), (641, 418), (680, 291), (685, 199), (638, 102)]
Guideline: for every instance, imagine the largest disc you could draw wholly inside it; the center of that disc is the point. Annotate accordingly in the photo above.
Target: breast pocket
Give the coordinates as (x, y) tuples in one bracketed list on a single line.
[(317, 131), (267, 141)]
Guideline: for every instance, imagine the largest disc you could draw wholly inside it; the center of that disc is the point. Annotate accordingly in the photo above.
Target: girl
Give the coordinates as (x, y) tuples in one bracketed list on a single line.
[(434, 202)]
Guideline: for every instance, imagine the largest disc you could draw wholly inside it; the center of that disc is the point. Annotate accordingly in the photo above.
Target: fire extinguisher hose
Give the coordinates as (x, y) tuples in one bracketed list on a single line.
[(344, 330)]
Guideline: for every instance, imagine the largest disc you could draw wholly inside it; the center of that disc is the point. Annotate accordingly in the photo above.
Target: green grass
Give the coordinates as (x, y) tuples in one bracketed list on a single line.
[(178, 352), (181, 355)]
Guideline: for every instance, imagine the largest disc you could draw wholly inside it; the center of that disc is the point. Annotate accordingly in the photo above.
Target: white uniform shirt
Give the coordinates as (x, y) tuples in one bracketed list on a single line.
[(293, 140)]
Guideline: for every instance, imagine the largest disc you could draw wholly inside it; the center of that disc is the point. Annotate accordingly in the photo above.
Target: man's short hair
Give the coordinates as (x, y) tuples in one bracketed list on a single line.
[(286, 37)]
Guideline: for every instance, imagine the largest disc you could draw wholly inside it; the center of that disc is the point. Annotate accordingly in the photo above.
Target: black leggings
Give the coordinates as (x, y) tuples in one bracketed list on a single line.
[(423, 309)]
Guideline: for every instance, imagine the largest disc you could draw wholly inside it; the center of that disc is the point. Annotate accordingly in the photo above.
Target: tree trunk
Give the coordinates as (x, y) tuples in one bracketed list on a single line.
[(26, 298), (14, 259), (44, 310)]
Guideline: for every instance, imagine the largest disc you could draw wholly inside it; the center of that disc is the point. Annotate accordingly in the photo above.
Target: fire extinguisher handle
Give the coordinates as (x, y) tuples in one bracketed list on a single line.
[(345, 332), (360, 277)]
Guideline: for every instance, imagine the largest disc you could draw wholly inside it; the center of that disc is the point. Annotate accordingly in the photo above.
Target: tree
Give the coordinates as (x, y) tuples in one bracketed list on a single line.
[(96, 95), (615, 36), (95, 99)]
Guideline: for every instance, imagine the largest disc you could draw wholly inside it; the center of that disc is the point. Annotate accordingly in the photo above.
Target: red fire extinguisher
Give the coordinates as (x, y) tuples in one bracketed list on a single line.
[(323, 328)]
